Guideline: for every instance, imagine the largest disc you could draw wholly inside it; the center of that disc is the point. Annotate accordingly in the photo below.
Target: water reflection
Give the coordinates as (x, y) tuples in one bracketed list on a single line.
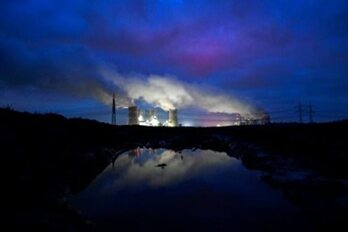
[(164, 167), (202, 190)]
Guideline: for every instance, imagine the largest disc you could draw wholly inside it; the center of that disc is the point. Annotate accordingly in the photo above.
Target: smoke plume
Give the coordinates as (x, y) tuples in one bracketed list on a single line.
[(168, 93)]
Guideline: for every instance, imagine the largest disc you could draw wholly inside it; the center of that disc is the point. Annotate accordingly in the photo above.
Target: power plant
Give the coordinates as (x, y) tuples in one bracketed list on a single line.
[(150, 118)]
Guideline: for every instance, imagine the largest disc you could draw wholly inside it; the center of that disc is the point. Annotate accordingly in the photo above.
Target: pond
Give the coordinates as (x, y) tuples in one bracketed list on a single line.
[(203, 190)]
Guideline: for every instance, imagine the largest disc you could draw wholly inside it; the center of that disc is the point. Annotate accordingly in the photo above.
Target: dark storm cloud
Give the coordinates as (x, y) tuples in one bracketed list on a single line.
[(69, 69), (277, 49), (39, 47)]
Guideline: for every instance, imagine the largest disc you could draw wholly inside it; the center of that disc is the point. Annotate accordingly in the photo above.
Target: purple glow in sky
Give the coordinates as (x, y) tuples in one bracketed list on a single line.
[(271, 54)]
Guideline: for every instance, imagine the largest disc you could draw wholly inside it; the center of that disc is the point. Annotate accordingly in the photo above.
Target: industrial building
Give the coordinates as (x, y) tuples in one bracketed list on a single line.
[(173, 118), (150, 118), (133, 115), (260, 117)]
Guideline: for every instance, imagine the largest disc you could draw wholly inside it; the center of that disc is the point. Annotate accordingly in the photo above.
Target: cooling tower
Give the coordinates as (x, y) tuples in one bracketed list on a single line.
[(133, 114), (173, 118), (149, 114)]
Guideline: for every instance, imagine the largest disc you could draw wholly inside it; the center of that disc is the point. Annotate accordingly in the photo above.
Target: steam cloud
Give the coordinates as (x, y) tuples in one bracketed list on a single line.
[(168, 93), (72, 70)]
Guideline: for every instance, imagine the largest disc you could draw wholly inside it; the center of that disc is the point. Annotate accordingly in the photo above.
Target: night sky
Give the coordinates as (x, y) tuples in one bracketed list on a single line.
[(69, 56)]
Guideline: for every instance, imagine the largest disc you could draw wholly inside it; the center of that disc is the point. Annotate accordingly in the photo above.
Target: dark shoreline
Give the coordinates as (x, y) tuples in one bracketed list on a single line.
[(48, 157)]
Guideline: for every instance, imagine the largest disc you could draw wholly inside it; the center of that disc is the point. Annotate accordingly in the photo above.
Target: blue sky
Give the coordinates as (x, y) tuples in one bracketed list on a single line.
[(269, 54)]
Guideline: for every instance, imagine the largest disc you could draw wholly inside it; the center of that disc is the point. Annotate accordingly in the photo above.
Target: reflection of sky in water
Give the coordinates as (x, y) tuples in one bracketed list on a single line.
[(202, 186), (138, 170)]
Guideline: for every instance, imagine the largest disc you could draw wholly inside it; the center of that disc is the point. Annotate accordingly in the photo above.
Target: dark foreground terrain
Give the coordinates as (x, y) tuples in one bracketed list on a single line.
[(47, 158)]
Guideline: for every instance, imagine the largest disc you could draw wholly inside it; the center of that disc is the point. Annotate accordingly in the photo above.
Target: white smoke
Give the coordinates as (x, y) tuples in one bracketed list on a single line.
[(168, 93)]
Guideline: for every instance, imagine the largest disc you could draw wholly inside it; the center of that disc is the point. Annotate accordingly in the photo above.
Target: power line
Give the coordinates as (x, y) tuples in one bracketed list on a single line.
[(310, 112), (113, 115), (302, 112), (305, 109), (299, 110)]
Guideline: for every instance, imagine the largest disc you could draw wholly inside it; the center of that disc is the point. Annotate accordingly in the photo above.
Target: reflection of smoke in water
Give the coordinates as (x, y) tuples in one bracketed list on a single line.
[(145, 166)]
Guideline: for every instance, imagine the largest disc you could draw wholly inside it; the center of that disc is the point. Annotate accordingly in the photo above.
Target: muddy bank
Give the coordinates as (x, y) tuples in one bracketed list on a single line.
[(46, 158)]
